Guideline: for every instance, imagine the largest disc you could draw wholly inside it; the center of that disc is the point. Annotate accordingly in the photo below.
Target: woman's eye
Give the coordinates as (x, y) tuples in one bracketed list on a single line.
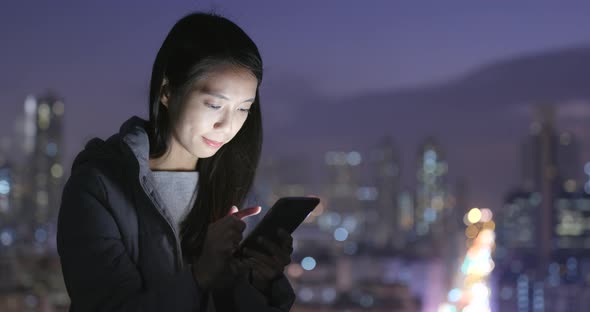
[(245, 110), (213, 106)]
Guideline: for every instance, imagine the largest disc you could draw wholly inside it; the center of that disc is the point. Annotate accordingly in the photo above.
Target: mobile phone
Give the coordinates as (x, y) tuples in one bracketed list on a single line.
[(286, 213)]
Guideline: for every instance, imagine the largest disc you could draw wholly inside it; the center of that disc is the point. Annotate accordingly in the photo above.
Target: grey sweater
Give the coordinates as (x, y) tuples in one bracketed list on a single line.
[(178, 191)]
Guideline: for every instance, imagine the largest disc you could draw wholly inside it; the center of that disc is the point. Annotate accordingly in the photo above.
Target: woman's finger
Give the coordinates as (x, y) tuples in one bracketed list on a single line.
[(238, 266), (247, 212), (264, 271), (269, 245), (279, 253), (260, 257)]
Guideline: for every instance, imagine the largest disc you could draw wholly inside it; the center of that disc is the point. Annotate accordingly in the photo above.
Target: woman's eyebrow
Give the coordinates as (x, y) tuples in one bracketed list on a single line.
[(220, 96)]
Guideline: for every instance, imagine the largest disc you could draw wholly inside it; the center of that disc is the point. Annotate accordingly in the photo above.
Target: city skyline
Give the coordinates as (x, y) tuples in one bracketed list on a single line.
[(102, 70), (354, 215)]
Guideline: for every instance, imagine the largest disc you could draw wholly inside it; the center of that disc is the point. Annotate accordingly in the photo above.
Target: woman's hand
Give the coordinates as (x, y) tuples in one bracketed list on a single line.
[(216, 266), (265, 268)]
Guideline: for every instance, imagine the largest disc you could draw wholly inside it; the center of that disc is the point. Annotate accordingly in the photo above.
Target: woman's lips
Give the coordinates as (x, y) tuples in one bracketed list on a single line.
[(212, 143)]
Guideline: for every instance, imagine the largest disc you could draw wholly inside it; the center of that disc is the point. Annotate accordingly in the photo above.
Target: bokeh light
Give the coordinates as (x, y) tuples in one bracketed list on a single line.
[(474, 215), (308, 263)]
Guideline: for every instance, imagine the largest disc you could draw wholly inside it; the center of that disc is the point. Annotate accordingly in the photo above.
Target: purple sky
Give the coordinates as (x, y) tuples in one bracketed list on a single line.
[(98, 55)]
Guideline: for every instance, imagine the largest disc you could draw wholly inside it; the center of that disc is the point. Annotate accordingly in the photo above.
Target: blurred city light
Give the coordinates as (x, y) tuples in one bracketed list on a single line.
[(306, 294), (4, 187), (308, 263), (474, 292), (7, 237), (328, 295), (340, 234), (294, 270), (474, 215), (486, 215), (353, 158), (455, 295)]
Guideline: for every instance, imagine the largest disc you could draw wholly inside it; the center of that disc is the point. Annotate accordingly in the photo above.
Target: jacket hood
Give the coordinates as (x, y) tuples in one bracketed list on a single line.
[(130, 144)]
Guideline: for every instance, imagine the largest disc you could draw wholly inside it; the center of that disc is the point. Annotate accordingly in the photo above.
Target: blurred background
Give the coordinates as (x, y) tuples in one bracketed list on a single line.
[(449, 142)]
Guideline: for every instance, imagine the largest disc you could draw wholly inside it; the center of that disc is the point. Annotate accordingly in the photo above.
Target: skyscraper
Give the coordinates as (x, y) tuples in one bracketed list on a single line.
[(432, 192), (345, 196), (517, 224), (572, 215), (385, 163), (6, 209), (39, 167), (541, 175), (568, 162)]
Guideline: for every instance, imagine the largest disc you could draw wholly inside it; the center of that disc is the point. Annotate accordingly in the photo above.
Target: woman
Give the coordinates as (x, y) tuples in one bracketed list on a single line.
[(149, 218)]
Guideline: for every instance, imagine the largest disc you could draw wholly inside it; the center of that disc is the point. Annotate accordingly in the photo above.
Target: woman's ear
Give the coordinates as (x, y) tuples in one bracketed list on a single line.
[(164, 91)]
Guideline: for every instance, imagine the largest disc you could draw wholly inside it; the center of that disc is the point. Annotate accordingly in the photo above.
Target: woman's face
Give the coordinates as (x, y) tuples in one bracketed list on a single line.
[(214, 111)]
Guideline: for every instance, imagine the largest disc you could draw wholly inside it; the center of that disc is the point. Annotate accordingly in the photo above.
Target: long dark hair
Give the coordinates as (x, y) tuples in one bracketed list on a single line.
[(196, 44)]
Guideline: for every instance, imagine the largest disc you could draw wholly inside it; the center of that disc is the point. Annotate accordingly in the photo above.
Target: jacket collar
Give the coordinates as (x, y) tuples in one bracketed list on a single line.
[(133, 132)]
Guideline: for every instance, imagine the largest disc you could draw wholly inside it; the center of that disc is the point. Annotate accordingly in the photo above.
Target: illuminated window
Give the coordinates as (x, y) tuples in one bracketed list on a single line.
[(56, 171), (58, 108)]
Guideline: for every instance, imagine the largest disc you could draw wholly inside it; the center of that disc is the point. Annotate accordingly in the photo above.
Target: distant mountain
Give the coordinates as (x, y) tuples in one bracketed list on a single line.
[(490, 93), (545, 77)]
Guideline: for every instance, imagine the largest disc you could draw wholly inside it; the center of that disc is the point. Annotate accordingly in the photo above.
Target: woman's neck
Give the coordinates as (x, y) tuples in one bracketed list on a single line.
[(176, 158)]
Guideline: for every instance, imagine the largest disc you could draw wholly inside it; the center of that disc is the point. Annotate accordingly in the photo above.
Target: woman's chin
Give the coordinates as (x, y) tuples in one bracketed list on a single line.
[(206, 154)]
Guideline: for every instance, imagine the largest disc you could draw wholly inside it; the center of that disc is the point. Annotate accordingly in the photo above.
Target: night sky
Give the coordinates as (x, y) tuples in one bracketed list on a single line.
[(98, 56)]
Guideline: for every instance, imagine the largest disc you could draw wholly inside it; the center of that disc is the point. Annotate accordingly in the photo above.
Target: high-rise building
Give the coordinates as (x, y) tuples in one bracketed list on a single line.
[(541, 175), (586, 180), (540, 150), (38, 165), (572, 216), (385, 162), (407, 214), (568, 162), (432, 189), (346, 197), (5, 193), (517, 223), (562, 289), (544, 244)]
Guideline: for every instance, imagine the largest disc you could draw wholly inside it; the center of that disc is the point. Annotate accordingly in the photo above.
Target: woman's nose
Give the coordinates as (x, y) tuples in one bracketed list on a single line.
[(224, 123)]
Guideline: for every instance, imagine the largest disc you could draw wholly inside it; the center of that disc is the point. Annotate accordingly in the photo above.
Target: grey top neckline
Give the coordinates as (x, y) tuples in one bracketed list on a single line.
[(178, 191)]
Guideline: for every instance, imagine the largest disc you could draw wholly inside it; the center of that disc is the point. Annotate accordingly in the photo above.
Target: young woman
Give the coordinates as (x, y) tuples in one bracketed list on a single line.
[(149, 218)]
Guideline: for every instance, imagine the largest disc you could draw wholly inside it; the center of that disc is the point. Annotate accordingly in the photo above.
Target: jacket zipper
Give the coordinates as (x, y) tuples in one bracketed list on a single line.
[(179, 256), (155, 201)]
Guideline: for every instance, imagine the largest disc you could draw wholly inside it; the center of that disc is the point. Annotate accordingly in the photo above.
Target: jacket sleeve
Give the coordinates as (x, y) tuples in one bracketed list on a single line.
[(98, 272), (280, 299)]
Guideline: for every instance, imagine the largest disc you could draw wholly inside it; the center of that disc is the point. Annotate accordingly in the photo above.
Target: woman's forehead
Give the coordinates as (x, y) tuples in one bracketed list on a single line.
[(228, 80)]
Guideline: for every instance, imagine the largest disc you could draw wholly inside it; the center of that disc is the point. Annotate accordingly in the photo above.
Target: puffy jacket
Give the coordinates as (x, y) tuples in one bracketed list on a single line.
[(118, 249)]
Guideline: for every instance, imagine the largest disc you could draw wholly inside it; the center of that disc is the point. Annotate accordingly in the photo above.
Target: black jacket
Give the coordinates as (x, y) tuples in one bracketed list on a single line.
[(118, 249)]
